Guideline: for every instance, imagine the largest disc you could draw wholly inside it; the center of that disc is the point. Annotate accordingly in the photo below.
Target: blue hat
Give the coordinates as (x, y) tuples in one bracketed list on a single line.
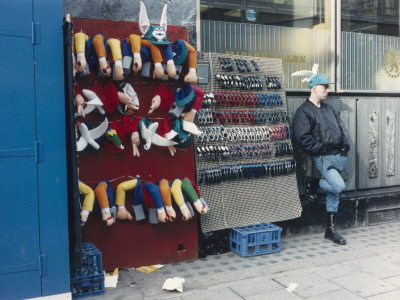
[(184, 95), (317, 80), (181, 52)]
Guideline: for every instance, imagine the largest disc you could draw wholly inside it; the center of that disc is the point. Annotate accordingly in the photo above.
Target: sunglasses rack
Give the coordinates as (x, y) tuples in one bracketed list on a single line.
[(244, 157)]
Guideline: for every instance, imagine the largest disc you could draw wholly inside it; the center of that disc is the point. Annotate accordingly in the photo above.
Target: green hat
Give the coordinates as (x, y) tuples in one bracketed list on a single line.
[(183, 138), (152, 39), (317, 80)]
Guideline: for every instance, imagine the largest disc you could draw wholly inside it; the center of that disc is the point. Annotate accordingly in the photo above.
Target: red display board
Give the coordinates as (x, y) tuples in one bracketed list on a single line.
[(131, 244)]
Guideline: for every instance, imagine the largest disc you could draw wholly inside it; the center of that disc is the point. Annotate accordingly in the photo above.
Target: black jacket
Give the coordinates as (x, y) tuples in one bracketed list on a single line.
[(317, 130)]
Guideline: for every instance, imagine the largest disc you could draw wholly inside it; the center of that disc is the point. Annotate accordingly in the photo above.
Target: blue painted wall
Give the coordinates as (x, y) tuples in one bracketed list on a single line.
[(34, 259)]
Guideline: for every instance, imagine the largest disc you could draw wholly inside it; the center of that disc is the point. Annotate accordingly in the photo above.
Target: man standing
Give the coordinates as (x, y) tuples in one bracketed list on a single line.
[(318, 133)]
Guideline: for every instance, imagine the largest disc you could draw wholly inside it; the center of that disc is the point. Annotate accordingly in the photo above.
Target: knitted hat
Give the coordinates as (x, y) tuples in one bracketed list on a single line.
[(184, 95), (152, 39), (180, 51), (129, 124), (109, 97)]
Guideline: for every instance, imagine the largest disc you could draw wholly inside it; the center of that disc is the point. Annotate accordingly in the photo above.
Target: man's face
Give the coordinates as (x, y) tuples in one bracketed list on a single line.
[(322, 91)]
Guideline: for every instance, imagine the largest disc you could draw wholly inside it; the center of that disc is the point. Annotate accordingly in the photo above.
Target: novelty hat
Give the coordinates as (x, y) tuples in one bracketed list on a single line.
[(180, 51), (184, 95), (317, 80)]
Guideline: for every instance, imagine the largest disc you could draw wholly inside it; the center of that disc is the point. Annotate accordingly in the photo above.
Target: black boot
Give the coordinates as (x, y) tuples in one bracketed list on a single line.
[(330, 232), (311, 188)]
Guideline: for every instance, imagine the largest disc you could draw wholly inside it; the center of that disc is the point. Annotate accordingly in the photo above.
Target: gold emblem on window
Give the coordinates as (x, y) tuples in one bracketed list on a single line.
[(391, 61)]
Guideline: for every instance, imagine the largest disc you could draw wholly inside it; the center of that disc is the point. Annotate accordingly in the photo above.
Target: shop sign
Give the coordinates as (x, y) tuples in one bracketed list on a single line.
[(251, 15)]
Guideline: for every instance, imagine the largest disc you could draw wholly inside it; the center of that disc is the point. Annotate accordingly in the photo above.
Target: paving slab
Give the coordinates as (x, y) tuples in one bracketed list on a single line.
[(363, 284), (393, 281), (333, 271), (219, 294), (254, 286), (395, 295), (377, 267), (282, 294), (341, 294), (308, 284)]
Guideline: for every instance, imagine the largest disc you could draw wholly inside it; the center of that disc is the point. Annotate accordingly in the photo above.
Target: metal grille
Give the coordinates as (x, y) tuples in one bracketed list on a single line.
[(384, 216), (298, 48), (369, 62), (246, 201)]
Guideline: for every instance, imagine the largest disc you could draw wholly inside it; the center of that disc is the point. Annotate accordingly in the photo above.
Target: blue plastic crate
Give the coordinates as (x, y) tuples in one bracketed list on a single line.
[(91, 261), (89, 277), (255, 239), (87, 286)]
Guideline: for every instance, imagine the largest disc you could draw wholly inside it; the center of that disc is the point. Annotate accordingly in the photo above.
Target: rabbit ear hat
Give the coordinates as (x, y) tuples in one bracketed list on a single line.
[(307, 74), (153, 33)]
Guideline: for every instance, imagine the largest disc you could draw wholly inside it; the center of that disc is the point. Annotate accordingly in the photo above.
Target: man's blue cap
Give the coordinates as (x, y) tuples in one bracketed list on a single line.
[(317, 80)]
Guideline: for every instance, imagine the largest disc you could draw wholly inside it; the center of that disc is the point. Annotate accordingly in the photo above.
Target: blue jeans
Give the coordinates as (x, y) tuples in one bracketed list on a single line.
[(332, 182)]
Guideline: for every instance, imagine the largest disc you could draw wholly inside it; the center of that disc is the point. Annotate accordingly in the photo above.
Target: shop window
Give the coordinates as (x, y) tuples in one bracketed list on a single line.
[(370, 56), (297, 31)]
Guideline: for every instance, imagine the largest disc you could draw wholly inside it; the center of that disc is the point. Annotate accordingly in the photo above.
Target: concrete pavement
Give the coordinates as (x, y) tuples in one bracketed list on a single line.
[(308, 267)]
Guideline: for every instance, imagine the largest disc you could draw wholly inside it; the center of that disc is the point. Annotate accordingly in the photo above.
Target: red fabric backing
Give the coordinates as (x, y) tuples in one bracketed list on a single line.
[(132, 244)]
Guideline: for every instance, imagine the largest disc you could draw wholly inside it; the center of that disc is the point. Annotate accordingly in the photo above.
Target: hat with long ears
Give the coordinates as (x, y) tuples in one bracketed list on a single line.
[(153, 33), (307, 74), (319, 79)]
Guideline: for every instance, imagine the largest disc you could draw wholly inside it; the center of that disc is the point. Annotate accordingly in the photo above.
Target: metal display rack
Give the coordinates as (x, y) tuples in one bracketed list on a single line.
[(244, 159)]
